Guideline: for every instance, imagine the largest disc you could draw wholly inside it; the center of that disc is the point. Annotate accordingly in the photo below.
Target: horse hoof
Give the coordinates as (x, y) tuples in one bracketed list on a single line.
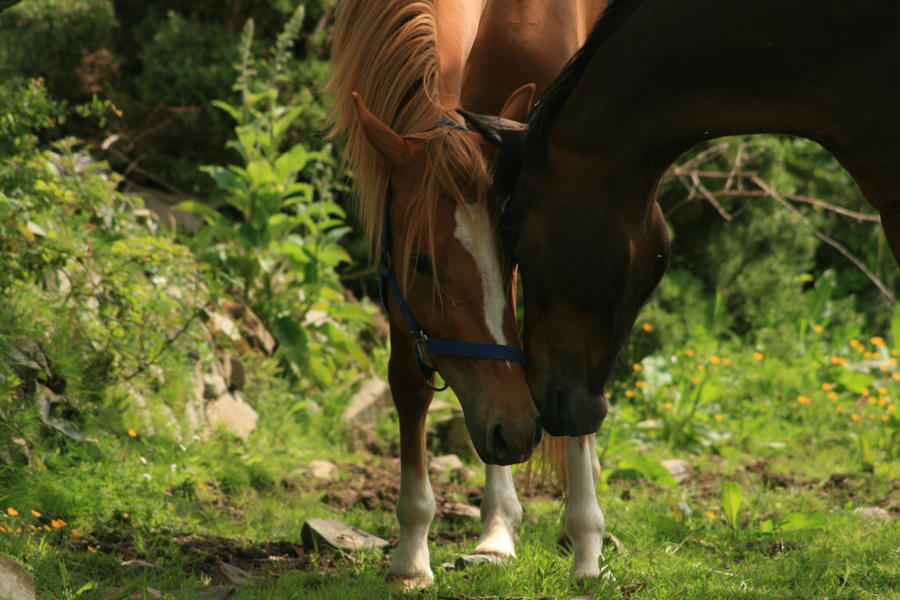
[(410, 582)]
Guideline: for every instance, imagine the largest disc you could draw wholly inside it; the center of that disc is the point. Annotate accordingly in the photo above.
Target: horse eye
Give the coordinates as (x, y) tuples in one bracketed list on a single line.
[(422, 265)]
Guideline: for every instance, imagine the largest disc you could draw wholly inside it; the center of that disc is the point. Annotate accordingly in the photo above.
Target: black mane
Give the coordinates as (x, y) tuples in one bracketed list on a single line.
[(544, 112)]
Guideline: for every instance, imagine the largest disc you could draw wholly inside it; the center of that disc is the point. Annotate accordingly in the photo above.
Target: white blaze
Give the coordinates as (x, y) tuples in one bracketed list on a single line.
[(475, 234)]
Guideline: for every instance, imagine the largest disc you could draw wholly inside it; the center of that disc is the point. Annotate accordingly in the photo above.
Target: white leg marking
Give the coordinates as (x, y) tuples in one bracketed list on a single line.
[(501, 513), (584, 520), (475, 234), (415, 511)]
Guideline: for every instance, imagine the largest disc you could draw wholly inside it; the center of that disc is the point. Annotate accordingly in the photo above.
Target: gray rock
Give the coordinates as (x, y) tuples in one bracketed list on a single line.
[(441, 464), (679, 469), (322, 469), (331, 533), (214, 386), (460, 511), (873, 512), (474, 559), (232, 413), (368, 404), (15, 582)]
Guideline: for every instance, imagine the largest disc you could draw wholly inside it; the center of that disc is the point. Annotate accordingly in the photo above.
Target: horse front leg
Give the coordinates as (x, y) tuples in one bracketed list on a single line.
[(583, 521), (411, 563), (501, 513)]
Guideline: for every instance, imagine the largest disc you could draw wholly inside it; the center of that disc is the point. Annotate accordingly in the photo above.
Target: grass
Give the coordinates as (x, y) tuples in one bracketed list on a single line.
[(127, 497)]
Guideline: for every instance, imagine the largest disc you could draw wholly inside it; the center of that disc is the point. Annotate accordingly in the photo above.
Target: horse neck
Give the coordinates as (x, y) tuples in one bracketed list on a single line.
[(457, 26), (523, 41), (683, 71)]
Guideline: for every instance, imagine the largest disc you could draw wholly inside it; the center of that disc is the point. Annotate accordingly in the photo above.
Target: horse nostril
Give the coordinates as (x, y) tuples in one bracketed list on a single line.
[(496, 443)]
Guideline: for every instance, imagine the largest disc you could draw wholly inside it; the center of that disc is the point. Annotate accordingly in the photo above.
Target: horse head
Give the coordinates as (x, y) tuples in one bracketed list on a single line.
[(588, 260), (452, 273)]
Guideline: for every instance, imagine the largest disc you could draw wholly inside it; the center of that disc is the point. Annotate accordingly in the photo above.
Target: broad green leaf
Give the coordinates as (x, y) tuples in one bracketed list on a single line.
[(649, 469), (233, 111), (800, 521), (211, 215), (732, 496)]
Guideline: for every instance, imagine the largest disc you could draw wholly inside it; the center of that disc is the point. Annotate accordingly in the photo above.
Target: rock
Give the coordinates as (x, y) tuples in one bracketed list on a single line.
[(459, 511), (331, 533), (236, 373), (223, 324), (140, 566), (214, 386), (322, 469), (210, 592), (238, 576), (369, 403), (679, 469), (232, 413), (15, 582), (474, 559), (441, 464), (874, 513), (453, 435)]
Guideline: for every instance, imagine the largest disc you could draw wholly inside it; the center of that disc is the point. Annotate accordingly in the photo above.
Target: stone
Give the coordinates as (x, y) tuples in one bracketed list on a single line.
[(368, 404), (441, 464), (232, 413), (214, 386), (460, 512), (474, 559), (140, 566), (15, 582), (319, 533), (322, 469), (873, 512), (238, 576), (237, 376), (679, 469), (453, 435)]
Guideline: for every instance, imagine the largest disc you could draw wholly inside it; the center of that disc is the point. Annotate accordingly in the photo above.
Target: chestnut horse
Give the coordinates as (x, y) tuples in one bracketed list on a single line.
[(655, 78), (402, 70)]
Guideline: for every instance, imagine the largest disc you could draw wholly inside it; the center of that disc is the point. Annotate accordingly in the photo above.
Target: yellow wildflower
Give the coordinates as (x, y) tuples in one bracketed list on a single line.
[(895, 375), (758, 355), (832, 396), (629, 394), (855, 417), (872, 400), (641, 384), (718, 417), (827, 386), (715, 360), (884, 417), (695, 380), (647, 327), (891, 407), (91, 549), (839, 409), (689, 352), (57, 523), (882, 401), (667, 406), (803, 399), (12, 512), (701, 367), (877, 341), (710, 515), (884, 367), (77, 534), (882, 390), (818, 328), (132, 432), (637, 367)]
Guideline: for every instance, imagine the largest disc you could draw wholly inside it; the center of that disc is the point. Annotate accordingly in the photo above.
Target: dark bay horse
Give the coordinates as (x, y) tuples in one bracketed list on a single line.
[(402, 70), (655, 78)]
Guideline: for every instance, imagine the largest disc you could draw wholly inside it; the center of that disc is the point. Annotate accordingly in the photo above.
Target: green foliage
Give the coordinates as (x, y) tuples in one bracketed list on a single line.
[(282, 254), (732, 496)]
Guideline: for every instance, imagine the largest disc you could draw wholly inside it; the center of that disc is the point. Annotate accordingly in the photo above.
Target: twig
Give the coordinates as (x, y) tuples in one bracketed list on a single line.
[(833, 243)]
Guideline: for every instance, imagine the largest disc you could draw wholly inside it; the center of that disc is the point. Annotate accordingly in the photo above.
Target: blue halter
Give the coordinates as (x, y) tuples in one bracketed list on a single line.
[(425, 345)]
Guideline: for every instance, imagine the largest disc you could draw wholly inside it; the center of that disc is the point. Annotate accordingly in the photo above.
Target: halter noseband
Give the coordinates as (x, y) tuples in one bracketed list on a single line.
[(425, 345)]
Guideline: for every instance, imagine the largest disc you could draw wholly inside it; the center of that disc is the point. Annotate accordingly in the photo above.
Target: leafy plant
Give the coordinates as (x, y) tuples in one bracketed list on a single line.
[(732, 496), (282, 252)]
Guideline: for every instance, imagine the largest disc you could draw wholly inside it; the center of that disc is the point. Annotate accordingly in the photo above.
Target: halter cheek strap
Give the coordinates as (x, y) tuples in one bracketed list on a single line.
[(424, 345)]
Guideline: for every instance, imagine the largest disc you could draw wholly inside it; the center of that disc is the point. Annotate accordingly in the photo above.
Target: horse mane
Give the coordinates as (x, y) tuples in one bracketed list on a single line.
[(617, 13), (387, 52)]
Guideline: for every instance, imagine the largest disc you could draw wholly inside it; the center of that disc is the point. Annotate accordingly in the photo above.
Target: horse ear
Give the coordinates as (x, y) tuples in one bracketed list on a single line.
[(384, 139), (519, 103)]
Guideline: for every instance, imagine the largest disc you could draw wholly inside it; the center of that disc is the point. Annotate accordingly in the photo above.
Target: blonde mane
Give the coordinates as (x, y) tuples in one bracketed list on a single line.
[(387, 52)]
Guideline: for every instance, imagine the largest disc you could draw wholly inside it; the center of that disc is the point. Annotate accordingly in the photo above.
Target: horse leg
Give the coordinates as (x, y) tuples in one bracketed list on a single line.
[(583, 521), (501, 513), (411, 564)]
